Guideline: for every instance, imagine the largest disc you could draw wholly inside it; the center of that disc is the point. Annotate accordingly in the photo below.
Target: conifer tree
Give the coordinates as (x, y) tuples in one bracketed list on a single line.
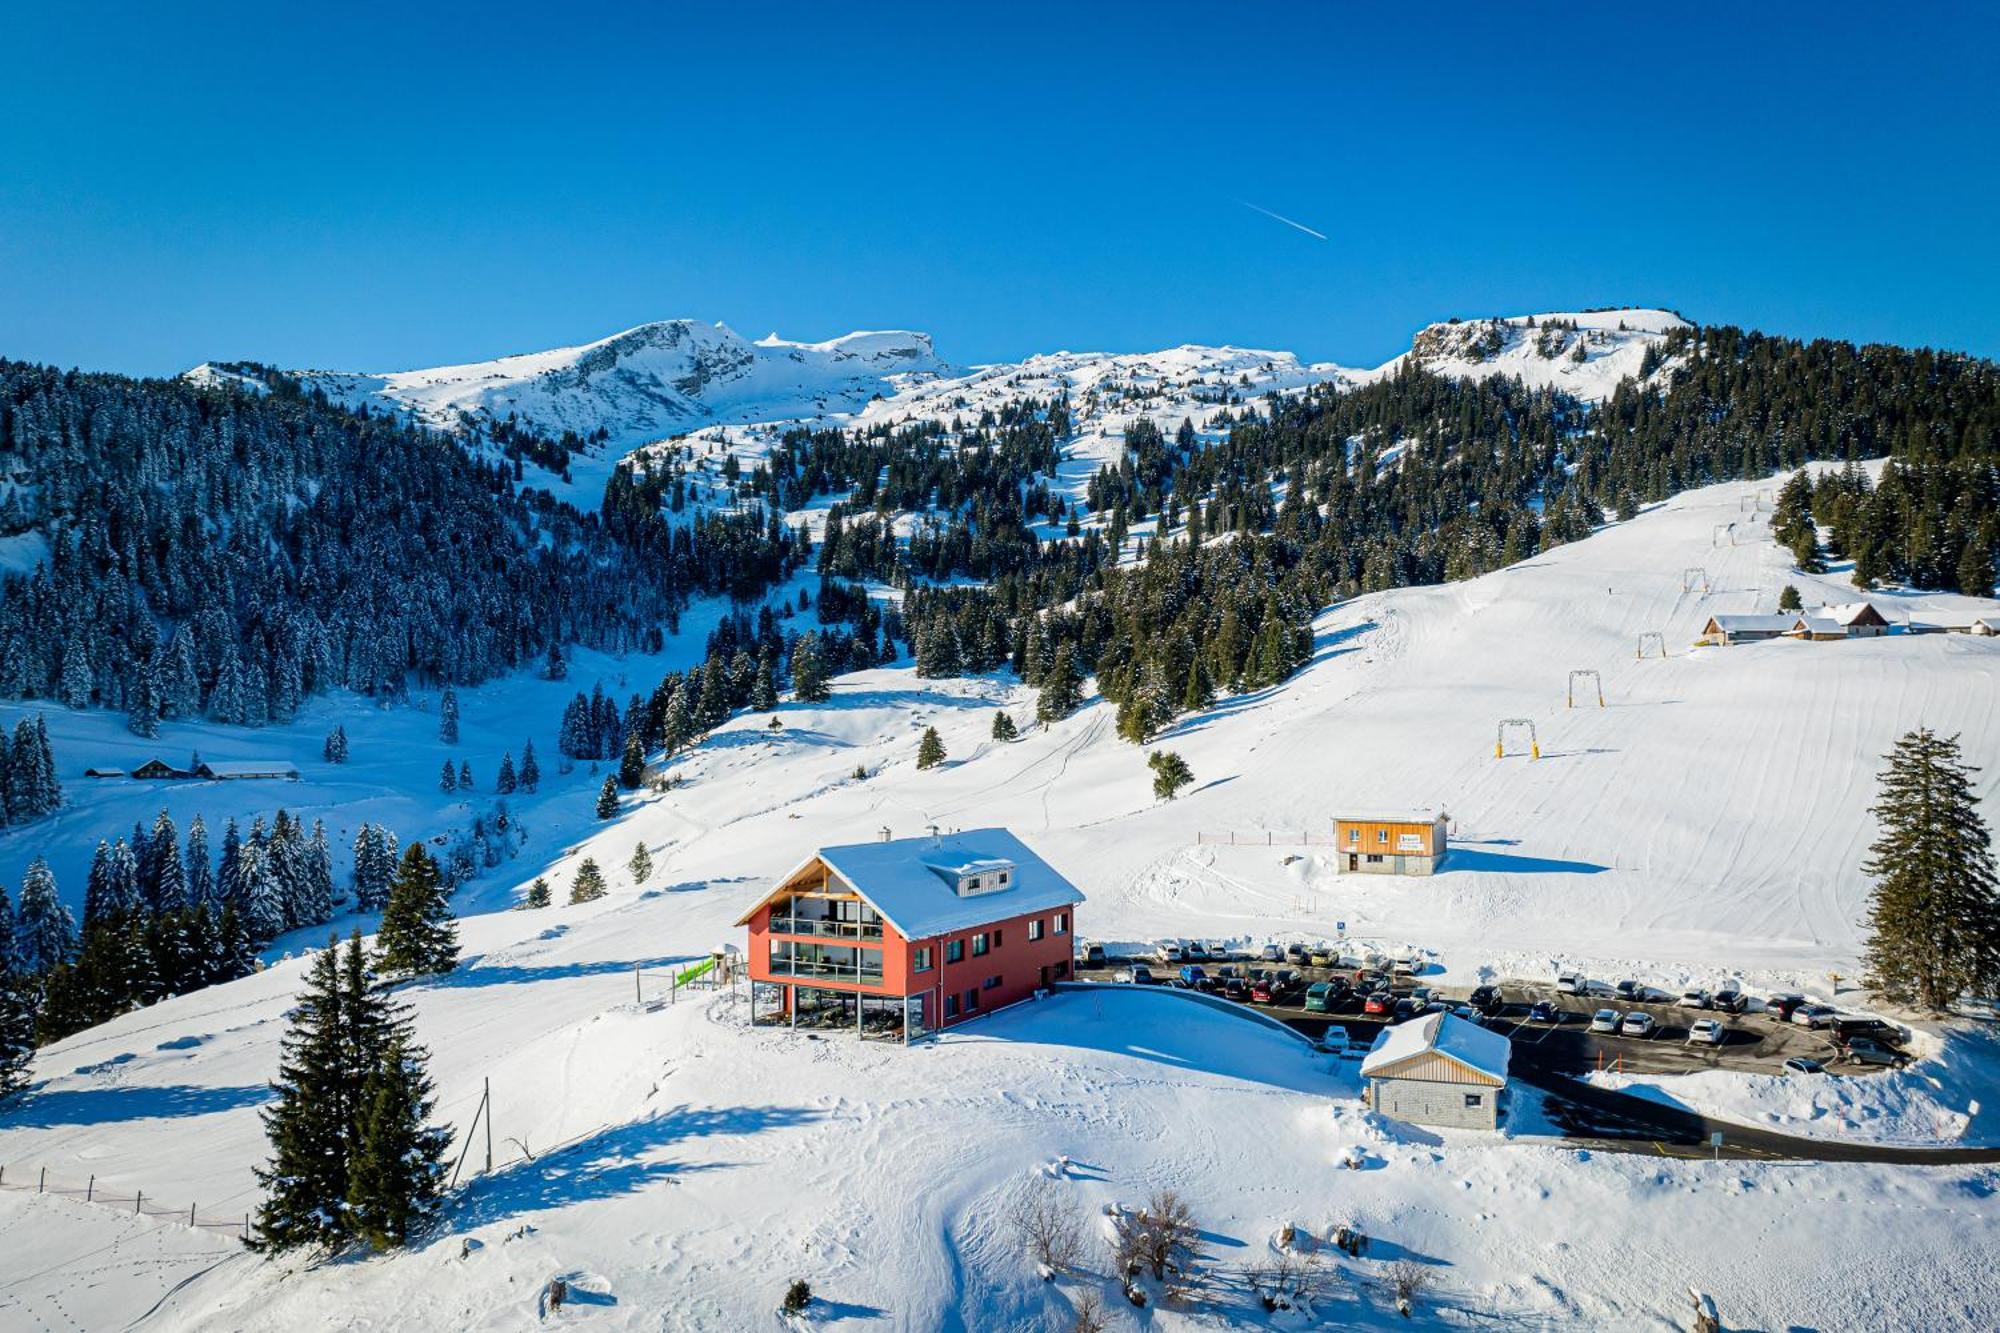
[(309, 1122), (335, 749), (607, 799), (641, 864), (930, 750), (8, 961), (396, 1178), (531, 772), (1934, 916), (1062, 688), (1788, 599), (1975, 565), (809, 675), (448, 717), (538, 892), (44, 930), (1170, 774), (1004, 728), (589, 883), (504, 781), (465, 775), (448, 777), (632, 765), (166, 876), (418, 936), (17, 1033), (200, 874)]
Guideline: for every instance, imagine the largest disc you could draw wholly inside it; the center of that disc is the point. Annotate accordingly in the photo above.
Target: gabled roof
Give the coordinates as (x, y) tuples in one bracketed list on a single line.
[(1738, 624), (912, 882), (247, 768), (1817, 623), (1853, 613), (1476, 1049)]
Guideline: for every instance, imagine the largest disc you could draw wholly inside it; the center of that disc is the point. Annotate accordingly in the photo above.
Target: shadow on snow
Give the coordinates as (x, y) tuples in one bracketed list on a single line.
[(103, 1106)]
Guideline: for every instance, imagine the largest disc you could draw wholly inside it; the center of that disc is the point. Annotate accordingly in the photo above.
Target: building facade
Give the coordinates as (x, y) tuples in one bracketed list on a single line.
[(1390, 844), (1438, 1070), (898, 937)]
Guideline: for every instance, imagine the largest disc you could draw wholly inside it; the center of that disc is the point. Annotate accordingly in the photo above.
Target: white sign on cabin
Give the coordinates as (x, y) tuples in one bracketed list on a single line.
[(1409, 842)]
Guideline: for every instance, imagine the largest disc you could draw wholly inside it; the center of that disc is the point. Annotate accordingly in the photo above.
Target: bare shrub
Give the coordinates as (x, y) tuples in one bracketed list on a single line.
[(1162, 1239), (1408, 1279), (1089, 1314), (1289, 1279), (1047, 1221)]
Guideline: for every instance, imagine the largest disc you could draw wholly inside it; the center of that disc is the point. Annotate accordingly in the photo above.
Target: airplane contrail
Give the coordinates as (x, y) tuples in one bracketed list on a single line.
[(1255, 208)]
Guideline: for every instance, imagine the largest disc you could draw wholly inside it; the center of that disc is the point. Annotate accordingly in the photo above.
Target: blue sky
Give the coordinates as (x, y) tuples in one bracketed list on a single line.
[(374, 190)]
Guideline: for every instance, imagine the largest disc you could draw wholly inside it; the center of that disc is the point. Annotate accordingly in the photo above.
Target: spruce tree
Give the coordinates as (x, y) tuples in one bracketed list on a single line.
[(418, 936), (1934, 916), (1004, 728), (44, 931), (607, 799), (538, 893), (1170, 774), (448, 717), (1062, 688), (448, 777), (308, 1124), (396, 1178), (465, 775), (1975, 566), (8, 963), (1788, 599), (200, 874), (809, 676), (589, 883), (641, 864), (334, 751), (531, 772), (632, 765), (504, 781), (930, 750), (17, 1033)]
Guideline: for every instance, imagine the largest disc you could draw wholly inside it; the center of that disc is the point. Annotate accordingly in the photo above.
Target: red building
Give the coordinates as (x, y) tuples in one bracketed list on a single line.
[(896, 938)]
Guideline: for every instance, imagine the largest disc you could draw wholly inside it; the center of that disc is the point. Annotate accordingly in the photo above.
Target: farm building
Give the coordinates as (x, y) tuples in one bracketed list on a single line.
[(99, 772), (1735, 629), (244, 770), (1951, 622), (1438, 1070), (1389, 844), (895, 938), (159, 770)]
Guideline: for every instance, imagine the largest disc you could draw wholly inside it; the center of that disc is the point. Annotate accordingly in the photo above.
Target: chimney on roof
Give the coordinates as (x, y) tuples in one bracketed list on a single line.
[(882, 834)]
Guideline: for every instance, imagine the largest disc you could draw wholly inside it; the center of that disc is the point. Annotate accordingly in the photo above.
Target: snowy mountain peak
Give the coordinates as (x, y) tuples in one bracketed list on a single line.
[(1585, 353)]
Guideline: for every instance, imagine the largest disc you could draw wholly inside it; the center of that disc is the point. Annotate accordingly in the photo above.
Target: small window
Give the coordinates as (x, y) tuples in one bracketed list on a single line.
[(1062, 923), (1034, 930), (1061, 969), (920, 961), (1003, 877), (979, 945), (997, 937), (954, 951), (972, 884), (971, 1000), (1471, 1101), (1373, 859), (990, 983), (951, 1006), (1381, 835), (1354, 835)]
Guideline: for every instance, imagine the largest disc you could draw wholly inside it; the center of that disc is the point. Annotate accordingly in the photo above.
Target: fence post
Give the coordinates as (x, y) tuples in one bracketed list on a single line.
[(90, 1190), (190, 1215), (42, 1185), (139, 1203), (246, 1226)]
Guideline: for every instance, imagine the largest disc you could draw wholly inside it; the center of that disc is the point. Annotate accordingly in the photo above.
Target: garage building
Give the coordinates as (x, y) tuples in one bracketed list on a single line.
[(1438, 1070)]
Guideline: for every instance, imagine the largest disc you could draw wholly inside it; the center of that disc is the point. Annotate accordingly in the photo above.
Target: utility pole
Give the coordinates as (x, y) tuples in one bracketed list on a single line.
[(487, 1102)]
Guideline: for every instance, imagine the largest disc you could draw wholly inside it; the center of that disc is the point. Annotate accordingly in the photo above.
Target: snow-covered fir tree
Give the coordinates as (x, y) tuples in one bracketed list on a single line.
[(418, 936)]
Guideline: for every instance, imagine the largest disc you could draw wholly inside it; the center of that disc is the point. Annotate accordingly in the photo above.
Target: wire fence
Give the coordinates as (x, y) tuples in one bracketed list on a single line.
[(1264, 838), (37, 1180)]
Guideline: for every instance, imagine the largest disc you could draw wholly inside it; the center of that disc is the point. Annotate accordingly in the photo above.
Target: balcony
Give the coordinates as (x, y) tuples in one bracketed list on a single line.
[(823, 927), (826, 962)]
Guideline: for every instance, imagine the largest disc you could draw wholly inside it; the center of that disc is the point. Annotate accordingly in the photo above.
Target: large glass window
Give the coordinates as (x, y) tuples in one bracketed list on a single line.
[(979, 946), (920, 960), (954, 951), (1035, 929), (833, 962)]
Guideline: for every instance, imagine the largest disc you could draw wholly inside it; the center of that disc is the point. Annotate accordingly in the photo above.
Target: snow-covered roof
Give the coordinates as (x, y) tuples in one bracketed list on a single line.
[(913, 882), (248, 768), (1738, 624), (1479, 1049), (1817, 623), (1852, 613)]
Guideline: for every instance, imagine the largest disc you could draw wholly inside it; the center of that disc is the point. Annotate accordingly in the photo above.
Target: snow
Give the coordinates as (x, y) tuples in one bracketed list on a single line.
[(1707, 823), (1470, 1045), (1527, 347), (912, 881)]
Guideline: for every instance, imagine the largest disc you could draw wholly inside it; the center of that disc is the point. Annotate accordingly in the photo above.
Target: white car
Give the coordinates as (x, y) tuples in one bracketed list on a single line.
[(1136, 975), (1638, 1023), (1694, 999), (1196, 951), (1814, 1015), (1569, 984), (1334, 1039), (1604, 1020), (1705, 1032), (1170, 951)]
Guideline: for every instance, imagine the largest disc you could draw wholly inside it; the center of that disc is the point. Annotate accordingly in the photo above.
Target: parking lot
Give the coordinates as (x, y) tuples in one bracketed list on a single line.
[(1754, 1042)]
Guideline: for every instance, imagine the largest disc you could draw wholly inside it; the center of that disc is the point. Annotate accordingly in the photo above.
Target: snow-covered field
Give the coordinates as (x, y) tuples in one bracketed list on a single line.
[(1706, 823)]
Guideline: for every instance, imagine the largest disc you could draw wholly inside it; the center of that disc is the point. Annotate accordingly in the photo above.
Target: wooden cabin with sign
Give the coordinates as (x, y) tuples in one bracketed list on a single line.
[(1390, 844)]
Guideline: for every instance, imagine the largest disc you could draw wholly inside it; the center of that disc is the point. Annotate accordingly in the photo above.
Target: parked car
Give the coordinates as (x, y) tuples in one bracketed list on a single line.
[(1694, 999), (1271, 953), (1319, 998), (1263, 991), (1470, 1015), (1334, 1038), (1218, 951), (1236, 988), (1422, 994), (1321, 957), (1783, 1004), (1802, 1064), (1405, 967), (1194, 976), (1486, 999), (1705, 1032), (1406, 1008), (1136, 975), (1730, 1001), (1170, 951), (1814, 1015), (1379, 1002), (1091, 954), (1868, 1051), (1570, 984), (1638, 1023), (1196, 951), (1604, 1020), (1296, 953), (1848, 1027), (1544, 1012), (1628, 990)]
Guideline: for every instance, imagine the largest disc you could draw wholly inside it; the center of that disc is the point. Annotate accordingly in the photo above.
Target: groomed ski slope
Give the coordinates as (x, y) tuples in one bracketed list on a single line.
[(1707, 822)]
